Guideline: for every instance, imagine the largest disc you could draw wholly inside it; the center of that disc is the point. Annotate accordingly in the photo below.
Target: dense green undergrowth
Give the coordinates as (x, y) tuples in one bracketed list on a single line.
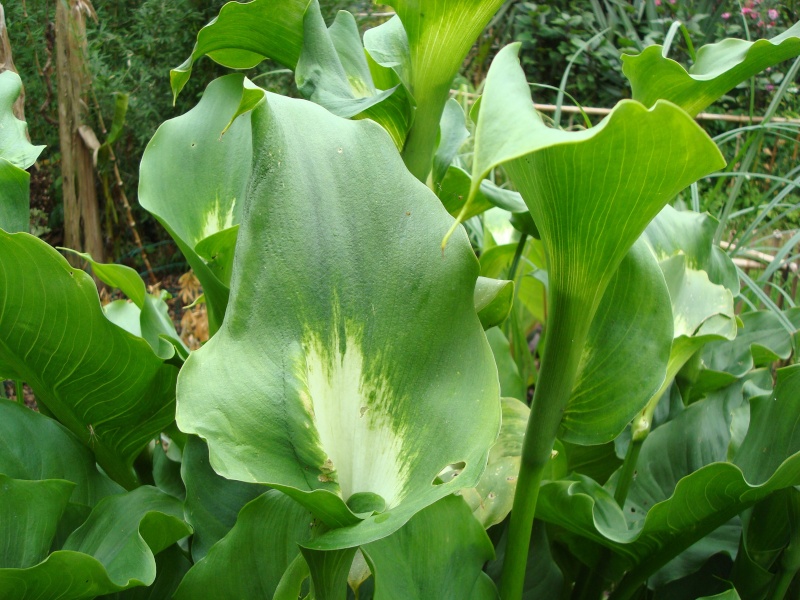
[(359, 423)]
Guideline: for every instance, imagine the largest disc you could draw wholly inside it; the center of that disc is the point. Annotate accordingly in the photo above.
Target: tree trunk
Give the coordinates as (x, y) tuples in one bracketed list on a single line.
[(82, 229), (7, 64)]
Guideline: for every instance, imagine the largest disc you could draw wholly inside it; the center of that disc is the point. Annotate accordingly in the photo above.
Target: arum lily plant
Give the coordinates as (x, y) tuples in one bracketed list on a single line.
[(358, 425)]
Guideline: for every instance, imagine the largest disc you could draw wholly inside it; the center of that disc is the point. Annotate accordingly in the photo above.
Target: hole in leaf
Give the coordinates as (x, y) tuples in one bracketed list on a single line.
[(449, 472)]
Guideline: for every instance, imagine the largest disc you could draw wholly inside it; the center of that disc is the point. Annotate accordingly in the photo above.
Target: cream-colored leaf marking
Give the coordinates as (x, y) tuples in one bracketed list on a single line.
[(218, 218), (354, 430)]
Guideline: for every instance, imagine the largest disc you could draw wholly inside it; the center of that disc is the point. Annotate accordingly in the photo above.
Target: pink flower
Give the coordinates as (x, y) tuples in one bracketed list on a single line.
[(658, 2), (747, 10), (726, 16), (770, 87), (761, 23), (773, 14)]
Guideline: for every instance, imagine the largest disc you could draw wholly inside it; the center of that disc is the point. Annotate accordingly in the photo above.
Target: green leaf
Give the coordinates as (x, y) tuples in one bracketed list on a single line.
[(761, 340), (233, 41), (692, 234), (453, 191), (439, 36), (731, 594), (16, 155), (29, 513), (193, 179), (154, 323), (333, 72), (453, 133), (543, 578), (439, 554), (251, 559), (707, 492), (357, 365), (14, 144), (212, 502), (121, 277), (171, 566), (511, 384), (387, 47), (491, 500), (626, 352), (718, 69), (113, 550), (14, 197), (493, 300), (329, 572), (106, 386), (56, 454)]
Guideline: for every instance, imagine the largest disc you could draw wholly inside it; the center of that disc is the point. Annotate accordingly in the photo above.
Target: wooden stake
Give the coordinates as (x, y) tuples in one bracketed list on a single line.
[(81, 211)]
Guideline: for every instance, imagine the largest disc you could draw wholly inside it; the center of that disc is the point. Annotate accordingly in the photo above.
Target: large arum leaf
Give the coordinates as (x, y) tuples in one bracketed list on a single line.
[(718, 68), (56, 454), (703, 500), (761, 340), (239, 38), (357, 369), (453, 190), (333, 71), (30, 513), (439, 36), (251, 559), (113, 550), (702, 311), (492, 498), (493, 300), (16, 155), (592, 192), (626, 352), (692, 234), (152, 322), (453, 133), (199, 198), (212, 502), (102, 383), (438, 554)]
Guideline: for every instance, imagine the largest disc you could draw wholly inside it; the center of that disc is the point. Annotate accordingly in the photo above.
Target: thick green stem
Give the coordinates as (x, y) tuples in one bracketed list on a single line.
[(790, 559), (628, 471), (20, 391), (567, 328), (782, 583), (421, 139)]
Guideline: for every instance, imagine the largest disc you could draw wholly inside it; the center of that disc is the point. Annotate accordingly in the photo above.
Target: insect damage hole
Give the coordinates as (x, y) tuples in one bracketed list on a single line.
[(449, 472)]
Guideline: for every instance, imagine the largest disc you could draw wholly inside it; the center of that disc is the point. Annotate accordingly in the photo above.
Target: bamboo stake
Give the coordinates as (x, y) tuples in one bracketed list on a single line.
[(123, 197)]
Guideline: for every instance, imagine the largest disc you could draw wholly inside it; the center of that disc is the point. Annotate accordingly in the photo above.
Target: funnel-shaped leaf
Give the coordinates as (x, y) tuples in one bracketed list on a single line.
[(102, 383), (351, 365), (591, 193), (16, 155), (718, 69), (439, 36), (202, 198), (626, 352), (333, 72), (239, 38)]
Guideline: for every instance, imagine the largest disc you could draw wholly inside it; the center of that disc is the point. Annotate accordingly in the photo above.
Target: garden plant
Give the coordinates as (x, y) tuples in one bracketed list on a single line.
[(358, 424)]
